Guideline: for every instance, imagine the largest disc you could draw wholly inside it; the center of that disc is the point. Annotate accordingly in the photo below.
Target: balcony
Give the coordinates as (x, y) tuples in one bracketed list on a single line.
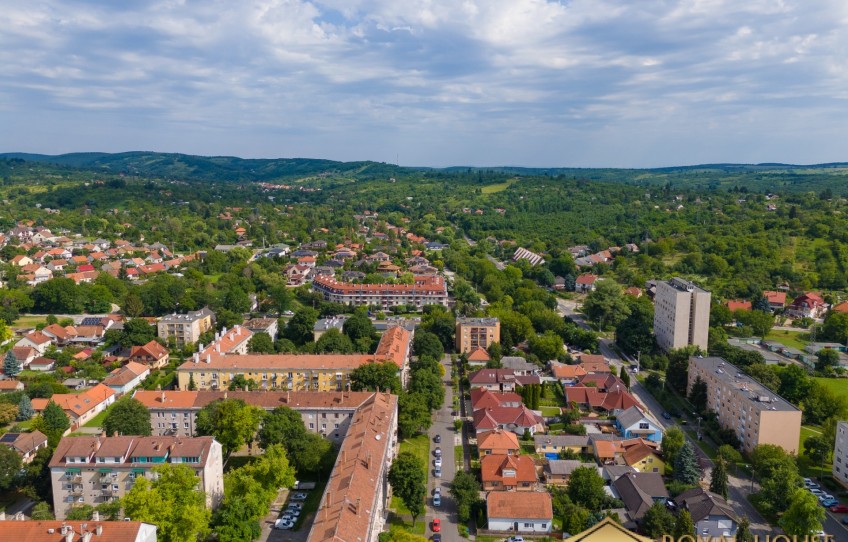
[(76, 489)]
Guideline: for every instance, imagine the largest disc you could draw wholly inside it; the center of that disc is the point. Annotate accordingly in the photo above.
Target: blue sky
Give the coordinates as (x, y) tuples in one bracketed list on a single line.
[(589, 83)]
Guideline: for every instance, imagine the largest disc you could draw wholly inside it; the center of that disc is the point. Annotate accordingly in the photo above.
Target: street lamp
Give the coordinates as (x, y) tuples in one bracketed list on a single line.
[(699, 424), (752, 476)]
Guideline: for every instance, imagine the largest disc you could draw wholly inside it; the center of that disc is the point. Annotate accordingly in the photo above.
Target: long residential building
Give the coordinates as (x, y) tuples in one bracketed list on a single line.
[(328, 413), (681, 315), (425, 290), (53, 530), (96, 469), (353, 506), (840, 454), (755, 414), (296, 372)]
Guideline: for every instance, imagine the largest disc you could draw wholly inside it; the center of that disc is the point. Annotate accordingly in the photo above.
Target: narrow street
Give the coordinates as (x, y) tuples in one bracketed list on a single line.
[(443, 425)]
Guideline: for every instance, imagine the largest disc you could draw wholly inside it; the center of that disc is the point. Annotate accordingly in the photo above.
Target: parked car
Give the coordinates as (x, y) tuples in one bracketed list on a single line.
[(437, 452), (299, 497), (437, 499), (291, 515), (827, 503), (666, 415), (437, 537), (296, 505), (437, 472), (437, 491), (438, 462), (845, 520), (515, 539), (817, 492), (437, 439), (283, 524), (839, 509), (809, 482), (437, 525)]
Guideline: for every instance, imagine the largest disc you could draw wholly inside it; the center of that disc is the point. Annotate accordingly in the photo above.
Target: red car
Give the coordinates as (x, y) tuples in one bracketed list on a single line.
[(839, 509), (437, 525)]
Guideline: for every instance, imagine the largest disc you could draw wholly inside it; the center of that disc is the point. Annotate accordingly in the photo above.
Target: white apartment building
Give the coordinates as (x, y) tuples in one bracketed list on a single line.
[(681, 315)]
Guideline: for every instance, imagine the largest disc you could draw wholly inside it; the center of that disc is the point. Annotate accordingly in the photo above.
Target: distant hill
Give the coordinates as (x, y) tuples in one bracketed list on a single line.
[(212, 168)]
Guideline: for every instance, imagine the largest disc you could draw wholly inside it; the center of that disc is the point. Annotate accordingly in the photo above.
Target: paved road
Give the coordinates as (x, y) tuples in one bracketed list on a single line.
[(443, 425)]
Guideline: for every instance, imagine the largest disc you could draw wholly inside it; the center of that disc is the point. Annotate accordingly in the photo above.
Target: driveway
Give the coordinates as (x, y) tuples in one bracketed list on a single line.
[(443, 425)]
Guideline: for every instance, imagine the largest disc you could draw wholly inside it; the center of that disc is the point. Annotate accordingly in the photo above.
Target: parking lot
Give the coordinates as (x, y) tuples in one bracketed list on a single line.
[(282, 535)]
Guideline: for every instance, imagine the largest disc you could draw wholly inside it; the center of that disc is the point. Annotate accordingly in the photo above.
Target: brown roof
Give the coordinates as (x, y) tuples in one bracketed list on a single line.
[(492, 468), (568, 371), (420, 282), (126, 374), (11, 385), (500, 440), (152, 349), (38, 337), (479, 354), (77, 403), (129, 447), (394, 346), (349, 500), (277, 361), (25, 443), (637, 452), (527, 505), (40, 531)]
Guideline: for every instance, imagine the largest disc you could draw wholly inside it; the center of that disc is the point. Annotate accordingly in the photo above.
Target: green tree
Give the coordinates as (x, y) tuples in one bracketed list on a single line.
[(686, 469), (42, 512), (172, 502), (635, 333), (835, 327), (413, 414), (11, 368), (804, 515), (375, 376), (683, 525), (261, 343), (10, 466), (280, 426), (408, 480), (575, 518), (428, 383), (240, 383), (718, 478), (777, 489), (334, 341), (818, 449), (235, 521), (359, 329), (548, 346), (128, 416), (427, 344), (585, 486), (743, 532), (55, 423), (672, 441), (192, 385), (232, 422), (606, 305), (657, 521), (133, 305), (25, 410), (698, 395), (465, 490), (440, 322), (677, 373), (57, 295), (827, 358), (299, 329)]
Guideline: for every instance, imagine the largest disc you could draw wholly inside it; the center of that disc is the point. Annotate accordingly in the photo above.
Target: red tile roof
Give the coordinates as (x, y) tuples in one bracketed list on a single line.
[(526, 505), (51, 531), (737, 305), (492, 469)]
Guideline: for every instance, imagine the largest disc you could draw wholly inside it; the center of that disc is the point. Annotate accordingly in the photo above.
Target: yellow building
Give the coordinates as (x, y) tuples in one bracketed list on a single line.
[(473, 333), (643, 458), (607, 530)]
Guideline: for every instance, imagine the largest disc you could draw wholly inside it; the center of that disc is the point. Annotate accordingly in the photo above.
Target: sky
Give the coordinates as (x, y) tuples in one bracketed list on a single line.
[(539, 83)]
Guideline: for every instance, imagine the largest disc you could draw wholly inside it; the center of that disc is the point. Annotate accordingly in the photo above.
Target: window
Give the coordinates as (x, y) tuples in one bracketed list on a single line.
[(544, 526), (312, 426)]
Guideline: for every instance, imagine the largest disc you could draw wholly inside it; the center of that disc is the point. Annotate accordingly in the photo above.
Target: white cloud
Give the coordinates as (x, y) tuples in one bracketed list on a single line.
[(450, 81)]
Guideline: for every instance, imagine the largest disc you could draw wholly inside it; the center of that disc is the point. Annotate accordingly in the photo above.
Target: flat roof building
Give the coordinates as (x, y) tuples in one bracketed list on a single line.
[(473, 333), (681, 315), (755, 414)]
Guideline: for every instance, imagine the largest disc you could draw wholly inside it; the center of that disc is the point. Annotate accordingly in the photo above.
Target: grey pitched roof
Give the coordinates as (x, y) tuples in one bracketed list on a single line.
[(517, 363), (638, 490), (702, 504), (561, 440), (630, 416), (564, 467)]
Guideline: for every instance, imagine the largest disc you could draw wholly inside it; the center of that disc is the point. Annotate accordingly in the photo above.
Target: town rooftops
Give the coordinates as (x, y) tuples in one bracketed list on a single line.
[(78, 403), (702, 504), (433, 284), (477, 321), (630, 416), (334, 322), (128, 447), (24, 443), (564, 441), (77, 531), (758, 395), (187, 317)]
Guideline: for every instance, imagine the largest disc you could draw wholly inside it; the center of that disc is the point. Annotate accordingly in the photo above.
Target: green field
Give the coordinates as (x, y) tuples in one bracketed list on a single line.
[(806, 466), (836, 385), (791, 339), (495, 188), (28, 321), (97, 421), (550, 411)]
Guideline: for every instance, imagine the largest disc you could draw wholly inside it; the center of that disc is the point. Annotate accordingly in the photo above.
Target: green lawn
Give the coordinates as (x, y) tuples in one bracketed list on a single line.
[(458, 457), (97, 421), (28, 321), (836, 385), (420, 446), (806, 466), (420, 525), (550, 411), (791, 339)]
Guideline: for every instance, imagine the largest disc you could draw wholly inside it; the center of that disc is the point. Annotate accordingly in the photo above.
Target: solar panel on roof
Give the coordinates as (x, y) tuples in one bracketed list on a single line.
[(9, 437)]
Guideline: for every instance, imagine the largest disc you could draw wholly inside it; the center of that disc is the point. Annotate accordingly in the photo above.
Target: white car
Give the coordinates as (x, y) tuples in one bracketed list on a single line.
[(296, 505), (299, 497), (438, 462), (515, 539), (817, 492), (283, 524)]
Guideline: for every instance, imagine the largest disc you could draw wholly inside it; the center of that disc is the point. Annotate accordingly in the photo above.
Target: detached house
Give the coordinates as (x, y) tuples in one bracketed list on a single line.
[(152, 354), (558, 471), (25, 444), (80, 407), (510, 511), (639, 491), (498, 442), (508, 473), (553, 445), (125, 379), (711, 514), (632, 423), (808, 305), (519, 420), (500, 379), (585, 283), (35, 340)]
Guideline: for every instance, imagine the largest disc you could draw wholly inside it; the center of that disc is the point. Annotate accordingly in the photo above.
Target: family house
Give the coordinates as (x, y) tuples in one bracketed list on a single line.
[(711, 514), (510, 511), (558, 471), (519, 420), (639, 491), (153, 355), (125, 379), (633, 423), (498, 442), (25, 444), (553, 445), (500, 379), (508, 473)]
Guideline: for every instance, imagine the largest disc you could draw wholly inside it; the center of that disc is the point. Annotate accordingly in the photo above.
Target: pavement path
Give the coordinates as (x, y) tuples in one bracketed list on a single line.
[(443, 426)]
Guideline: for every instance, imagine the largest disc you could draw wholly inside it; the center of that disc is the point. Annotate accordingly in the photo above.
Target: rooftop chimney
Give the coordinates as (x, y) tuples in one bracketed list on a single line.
[(95, 516), (162, 397), (98, 530), (208, 358)]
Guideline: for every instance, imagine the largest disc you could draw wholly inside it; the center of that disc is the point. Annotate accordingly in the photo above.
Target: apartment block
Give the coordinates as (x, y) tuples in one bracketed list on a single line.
[(328, 413), (96, 469), (840, 454), (681, 315), (353, 506), (473, 333), (185, 328), (753, 412), (424, 290), (212, 370)]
